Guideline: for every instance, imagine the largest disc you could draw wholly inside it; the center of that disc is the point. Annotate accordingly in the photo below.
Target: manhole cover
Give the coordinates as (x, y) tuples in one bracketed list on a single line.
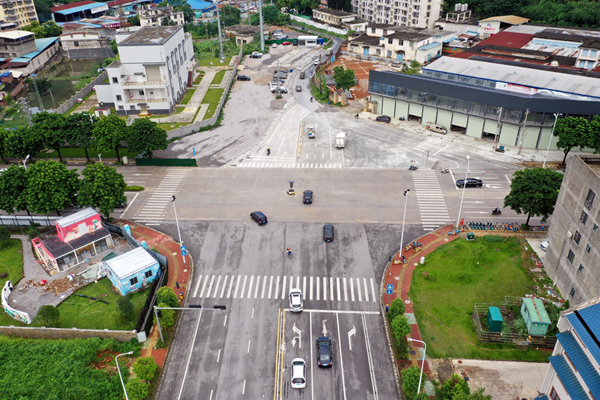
[(397, 278)]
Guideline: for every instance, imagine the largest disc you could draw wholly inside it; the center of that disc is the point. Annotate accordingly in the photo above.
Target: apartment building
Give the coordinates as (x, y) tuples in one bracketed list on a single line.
[(156, 66), (414, 13), (155, 16), (19, 12)]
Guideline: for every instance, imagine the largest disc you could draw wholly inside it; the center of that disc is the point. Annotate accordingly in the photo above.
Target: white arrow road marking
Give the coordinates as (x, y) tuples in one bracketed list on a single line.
[(299, 333), (324, 328), (351, 333)]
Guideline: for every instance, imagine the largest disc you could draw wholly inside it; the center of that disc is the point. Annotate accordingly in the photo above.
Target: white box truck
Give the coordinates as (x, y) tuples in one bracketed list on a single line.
[(340, 140)]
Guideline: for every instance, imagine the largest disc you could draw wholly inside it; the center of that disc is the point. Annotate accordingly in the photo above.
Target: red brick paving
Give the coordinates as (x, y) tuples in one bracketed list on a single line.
[(400, 276)]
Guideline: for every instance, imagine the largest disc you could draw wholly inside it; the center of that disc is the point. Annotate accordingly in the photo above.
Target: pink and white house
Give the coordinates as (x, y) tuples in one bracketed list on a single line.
[(78, 237)]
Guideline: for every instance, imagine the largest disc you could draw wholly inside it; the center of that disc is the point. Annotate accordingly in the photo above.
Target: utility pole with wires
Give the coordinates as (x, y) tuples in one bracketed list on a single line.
[(524, 132), (220, 38), (25, 105), (37, 93), (262, 34)]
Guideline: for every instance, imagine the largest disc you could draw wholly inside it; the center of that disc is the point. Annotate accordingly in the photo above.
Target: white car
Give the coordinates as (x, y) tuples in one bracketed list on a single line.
[(316, 62), (544, 245), (256, 54), (298, 373), (296, 303), (274, 45)]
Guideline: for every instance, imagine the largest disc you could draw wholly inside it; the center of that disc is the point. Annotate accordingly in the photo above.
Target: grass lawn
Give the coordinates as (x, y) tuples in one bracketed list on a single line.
[(455, 277), (11, 262), (212, 97), (188, 96), (17, 120), (76, 152), (219, 77), (84, 313), (169, 126), (179, 110), (206, 62), (199, 78)]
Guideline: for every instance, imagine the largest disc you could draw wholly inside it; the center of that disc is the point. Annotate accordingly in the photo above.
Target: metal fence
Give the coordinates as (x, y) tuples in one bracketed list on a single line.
[(25, 220), (166, 162)]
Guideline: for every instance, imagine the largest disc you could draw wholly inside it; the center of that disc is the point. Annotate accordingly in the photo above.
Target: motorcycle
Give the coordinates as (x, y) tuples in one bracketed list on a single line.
[(289, 253), (413, 168), (445, 171), (496, 212)]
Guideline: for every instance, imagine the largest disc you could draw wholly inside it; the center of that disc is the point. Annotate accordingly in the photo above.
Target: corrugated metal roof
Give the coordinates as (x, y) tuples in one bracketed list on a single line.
[(507, 19), (568, 378), (131, 262), (73, 10), (67, 6), (539, 79), (41, 45), (77, 217), (431, 45), (582, 364), (590, 332), (199, 5)]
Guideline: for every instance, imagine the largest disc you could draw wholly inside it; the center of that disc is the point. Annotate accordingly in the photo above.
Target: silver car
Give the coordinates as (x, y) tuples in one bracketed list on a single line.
[(296, 302)]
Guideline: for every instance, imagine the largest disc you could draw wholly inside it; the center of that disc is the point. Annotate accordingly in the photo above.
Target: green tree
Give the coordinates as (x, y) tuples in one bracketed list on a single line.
[(134, 20), (144, 136), (572, 132), (108, 133), (52, 29), (414, 69), (400, 327), (145, 368), (43, 85), (125, 307), (50, 187), (23, 142), (410, 381), (136, 389), (534, 191), (230, 15), (167, 296), (304, 6), (79, 130), (396, 308), (102, 187), (13, 190), (51, 127), (36, 28), (42, 7), (270, 15), (114, 47), (3, 137), (344, 79), (455, 386), (48, 315), (478, 395), (168, 316), (4, 236)]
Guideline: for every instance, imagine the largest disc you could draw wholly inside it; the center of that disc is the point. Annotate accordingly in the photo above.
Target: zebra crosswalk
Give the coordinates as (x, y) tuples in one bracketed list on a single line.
[(251, 164), (272, 287), (430, 199), (155, 208)]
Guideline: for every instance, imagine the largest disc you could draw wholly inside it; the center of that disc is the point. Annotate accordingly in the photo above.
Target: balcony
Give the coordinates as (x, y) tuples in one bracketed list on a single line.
[(146, 101), (131, 84)]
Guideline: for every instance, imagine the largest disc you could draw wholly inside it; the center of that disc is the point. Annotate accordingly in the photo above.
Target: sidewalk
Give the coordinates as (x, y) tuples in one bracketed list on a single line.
[(178, 272), (399, 275)]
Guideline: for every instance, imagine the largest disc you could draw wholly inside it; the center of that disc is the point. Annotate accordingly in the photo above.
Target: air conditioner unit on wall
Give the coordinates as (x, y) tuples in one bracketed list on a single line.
[(569, 234)]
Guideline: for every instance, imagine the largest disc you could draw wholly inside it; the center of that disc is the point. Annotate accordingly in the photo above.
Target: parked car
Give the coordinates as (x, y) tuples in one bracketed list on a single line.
[(471, 182), (328, 233), (274, 45), (302, 75), (298, 373), (308, 196), (259, 217), (298, 88), (281, 90), (276, 81), (256, 54), (383, 118), (544, 245), (286, 43), (296, 302), (316, 62), (324, 356), (243, 78)]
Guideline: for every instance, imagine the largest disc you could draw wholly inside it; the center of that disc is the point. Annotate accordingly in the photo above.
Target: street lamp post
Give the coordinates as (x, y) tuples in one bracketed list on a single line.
[(25, 161), (178, 231), (550, 140), (422, 361), (119, 369), (463, 193), (403, 219), (100, 157)]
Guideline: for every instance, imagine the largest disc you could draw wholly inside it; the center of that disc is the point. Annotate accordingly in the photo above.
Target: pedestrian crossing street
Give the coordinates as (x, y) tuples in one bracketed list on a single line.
[(252, 164), (278, 287), (155, 208), (430, 199)]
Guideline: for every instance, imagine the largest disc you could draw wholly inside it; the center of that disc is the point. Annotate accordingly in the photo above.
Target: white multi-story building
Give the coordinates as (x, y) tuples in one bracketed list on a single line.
[(415, 13), (154, 16), (156, 66)]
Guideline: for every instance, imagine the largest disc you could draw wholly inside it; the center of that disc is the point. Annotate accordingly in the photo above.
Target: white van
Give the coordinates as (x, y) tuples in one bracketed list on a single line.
[(436, 128)]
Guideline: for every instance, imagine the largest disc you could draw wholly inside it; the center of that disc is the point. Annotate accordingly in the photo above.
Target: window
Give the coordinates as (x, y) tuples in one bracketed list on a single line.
[(133, 281), (577, 237), (571, 256), (115, 80), (141, 92), (572, 292), (119, 98), (595, 228), (581, 268), (588, 248), (132, 107), (554, 395), (121, 108), (391, 41), (148, 274), (76, 43), (583, 217), (590, 199)]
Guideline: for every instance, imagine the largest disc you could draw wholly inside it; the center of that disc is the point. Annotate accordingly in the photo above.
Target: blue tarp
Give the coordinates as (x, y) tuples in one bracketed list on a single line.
[(199, 5)]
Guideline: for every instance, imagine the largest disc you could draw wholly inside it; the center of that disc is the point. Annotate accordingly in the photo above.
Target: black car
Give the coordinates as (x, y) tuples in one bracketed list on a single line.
[(307, 197), (471, 182), (383, 118), (324, 356), (259, 217), (243, 78), (328, 232)]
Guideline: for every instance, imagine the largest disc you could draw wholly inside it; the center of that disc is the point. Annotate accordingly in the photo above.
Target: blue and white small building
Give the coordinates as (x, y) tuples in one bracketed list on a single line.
[(131, 271)]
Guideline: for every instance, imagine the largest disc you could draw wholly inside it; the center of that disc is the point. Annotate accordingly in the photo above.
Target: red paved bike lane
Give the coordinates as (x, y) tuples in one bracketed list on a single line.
[(400, 275)]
